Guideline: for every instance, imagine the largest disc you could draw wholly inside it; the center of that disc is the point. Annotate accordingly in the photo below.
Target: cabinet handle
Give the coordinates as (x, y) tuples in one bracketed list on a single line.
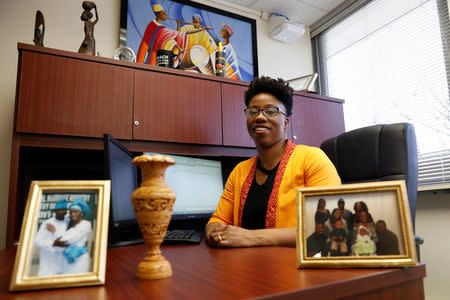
[(136, 123), (294, 137)]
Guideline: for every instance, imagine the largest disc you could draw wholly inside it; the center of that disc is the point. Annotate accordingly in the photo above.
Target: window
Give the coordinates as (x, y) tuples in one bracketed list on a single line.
[(388, 61)]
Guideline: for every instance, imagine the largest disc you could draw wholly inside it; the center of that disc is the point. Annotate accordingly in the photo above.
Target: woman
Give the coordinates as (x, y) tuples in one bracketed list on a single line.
[(77, 259), (367, 224), (322, 214), (360, 207), (257, 206)]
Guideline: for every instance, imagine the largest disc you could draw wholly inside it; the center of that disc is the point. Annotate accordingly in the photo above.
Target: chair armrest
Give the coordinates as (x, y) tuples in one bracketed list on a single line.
[(418, 240)]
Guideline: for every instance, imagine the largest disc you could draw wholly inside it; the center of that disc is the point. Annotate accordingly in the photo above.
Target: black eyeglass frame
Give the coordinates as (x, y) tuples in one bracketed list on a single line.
[(262, 110)]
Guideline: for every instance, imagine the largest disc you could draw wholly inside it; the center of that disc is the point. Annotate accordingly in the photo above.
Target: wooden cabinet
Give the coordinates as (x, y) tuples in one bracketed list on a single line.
[(68, 94), (315, 120), (175, 108), (64, 96), (233, 117)]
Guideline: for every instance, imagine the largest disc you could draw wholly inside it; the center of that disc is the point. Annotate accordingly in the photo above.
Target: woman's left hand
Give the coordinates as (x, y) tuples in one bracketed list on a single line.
[(60, 243), (232, 236)]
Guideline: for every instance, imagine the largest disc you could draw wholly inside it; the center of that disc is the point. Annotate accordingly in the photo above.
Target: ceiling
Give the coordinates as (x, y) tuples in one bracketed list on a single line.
[(299, 11)]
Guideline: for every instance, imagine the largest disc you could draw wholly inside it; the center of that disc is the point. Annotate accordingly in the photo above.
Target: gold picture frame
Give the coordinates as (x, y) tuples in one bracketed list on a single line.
[(35, 265), (326, 245), (303, 83)]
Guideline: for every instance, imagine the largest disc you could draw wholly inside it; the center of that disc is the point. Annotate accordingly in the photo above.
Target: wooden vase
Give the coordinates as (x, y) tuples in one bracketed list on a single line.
[(153, 203)]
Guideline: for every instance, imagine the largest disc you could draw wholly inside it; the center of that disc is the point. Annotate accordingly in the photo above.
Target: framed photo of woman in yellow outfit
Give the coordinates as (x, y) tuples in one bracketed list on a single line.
[(63, 236), (355, 225)]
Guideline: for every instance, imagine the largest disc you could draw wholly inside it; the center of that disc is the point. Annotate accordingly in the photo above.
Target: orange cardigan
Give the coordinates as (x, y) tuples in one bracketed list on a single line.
[(307, 166)]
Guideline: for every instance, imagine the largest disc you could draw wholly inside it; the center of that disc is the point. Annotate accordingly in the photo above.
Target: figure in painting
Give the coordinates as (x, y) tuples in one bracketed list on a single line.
[(200, 46), (231, 67), (88, 44), (157, 36)]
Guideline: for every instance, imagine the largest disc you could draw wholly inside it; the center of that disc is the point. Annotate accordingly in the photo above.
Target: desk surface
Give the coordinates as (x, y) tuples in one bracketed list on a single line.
[(201, 272)]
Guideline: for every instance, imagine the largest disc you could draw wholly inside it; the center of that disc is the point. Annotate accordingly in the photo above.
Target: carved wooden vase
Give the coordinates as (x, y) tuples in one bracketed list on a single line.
[(153, 203)]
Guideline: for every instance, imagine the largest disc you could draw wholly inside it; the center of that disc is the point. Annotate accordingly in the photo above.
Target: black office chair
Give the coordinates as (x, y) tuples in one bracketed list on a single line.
[(378, 153)]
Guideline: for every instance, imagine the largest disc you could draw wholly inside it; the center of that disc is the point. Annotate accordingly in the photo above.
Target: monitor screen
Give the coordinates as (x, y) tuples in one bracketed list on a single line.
[(198, 184), (124, 180)]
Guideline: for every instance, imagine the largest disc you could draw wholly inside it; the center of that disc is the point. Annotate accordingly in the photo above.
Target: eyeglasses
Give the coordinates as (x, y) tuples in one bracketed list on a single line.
[(270, 112)]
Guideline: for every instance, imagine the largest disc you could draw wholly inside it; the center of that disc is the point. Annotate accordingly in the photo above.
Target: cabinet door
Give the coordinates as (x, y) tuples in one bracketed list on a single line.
[(175, 108), (67, 96), (234, 121), (314, 120)]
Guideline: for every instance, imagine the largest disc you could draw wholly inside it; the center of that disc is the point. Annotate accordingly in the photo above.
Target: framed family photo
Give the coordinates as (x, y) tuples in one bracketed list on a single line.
[(64, 234), (355, 225), (193, 32)]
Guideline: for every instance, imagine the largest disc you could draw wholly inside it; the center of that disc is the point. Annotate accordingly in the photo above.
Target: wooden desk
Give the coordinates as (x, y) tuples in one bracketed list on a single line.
[(200, 272)]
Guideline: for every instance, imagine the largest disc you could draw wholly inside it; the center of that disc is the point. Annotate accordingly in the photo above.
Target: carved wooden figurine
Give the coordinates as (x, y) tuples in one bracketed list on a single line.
[(88, 45), (39, 29)]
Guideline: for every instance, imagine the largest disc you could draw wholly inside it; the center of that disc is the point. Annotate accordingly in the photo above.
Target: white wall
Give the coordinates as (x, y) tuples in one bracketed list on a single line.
[(64, 30), (433, 224)]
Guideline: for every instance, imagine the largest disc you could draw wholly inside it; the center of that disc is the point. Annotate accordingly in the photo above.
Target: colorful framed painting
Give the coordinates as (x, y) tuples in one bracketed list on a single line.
[(64, 235), (191, 33), (355, 225)]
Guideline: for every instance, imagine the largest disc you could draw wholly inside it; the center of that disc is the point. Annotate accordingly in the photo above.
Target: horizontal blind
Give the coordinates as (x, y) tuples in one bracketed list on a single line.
[(387, 61), (434, 167)]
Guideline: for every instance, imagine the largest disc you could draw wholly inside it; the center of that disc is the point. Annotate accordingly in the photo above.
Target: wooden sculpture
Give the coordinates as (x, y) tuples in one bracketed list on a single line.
[(88, 45), (39, 29)]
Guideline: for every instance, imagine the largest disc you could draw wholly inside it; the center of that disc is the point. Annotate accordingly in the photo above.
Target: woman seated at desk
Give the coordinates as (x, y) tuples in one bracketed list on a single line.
[(257, 207)]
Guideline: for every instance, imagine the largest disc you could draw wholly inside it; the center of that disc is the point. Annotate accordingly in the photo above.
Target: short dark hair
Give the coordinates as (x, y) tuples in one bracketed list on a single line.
[(278, 88), (341, 201), (381, 221)]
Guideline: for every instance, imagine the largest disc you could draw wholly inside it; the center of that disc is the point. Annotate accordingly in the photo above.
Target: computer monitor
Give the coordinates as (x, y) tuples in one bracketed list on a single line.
[(123, 227), (198, 184)]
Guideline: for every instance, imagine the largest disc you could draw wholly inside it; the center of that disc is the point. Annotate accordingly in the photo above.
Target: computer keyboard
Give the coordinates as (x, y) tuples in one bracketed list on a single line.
[(182, 237)]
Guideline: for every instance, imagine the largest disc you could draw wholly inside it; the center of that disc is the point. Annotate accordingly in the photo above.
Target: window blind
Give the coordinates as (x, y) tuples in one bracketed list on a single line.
[(434, 167), (388, 60)]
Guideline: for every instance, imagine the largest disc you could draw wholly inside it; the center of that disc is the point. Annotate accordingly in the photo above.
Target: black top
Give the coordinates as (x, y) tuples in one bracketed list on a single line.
[(255, 207), (321, 217), (316, 243), (387, 243)]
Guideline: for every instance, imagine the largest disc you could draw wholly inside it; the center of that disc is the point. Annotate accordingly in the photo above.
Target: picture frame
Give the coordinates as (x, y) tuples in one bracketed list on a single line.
[(241, 53), (303, 83), (82, 227), (367, 243)]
